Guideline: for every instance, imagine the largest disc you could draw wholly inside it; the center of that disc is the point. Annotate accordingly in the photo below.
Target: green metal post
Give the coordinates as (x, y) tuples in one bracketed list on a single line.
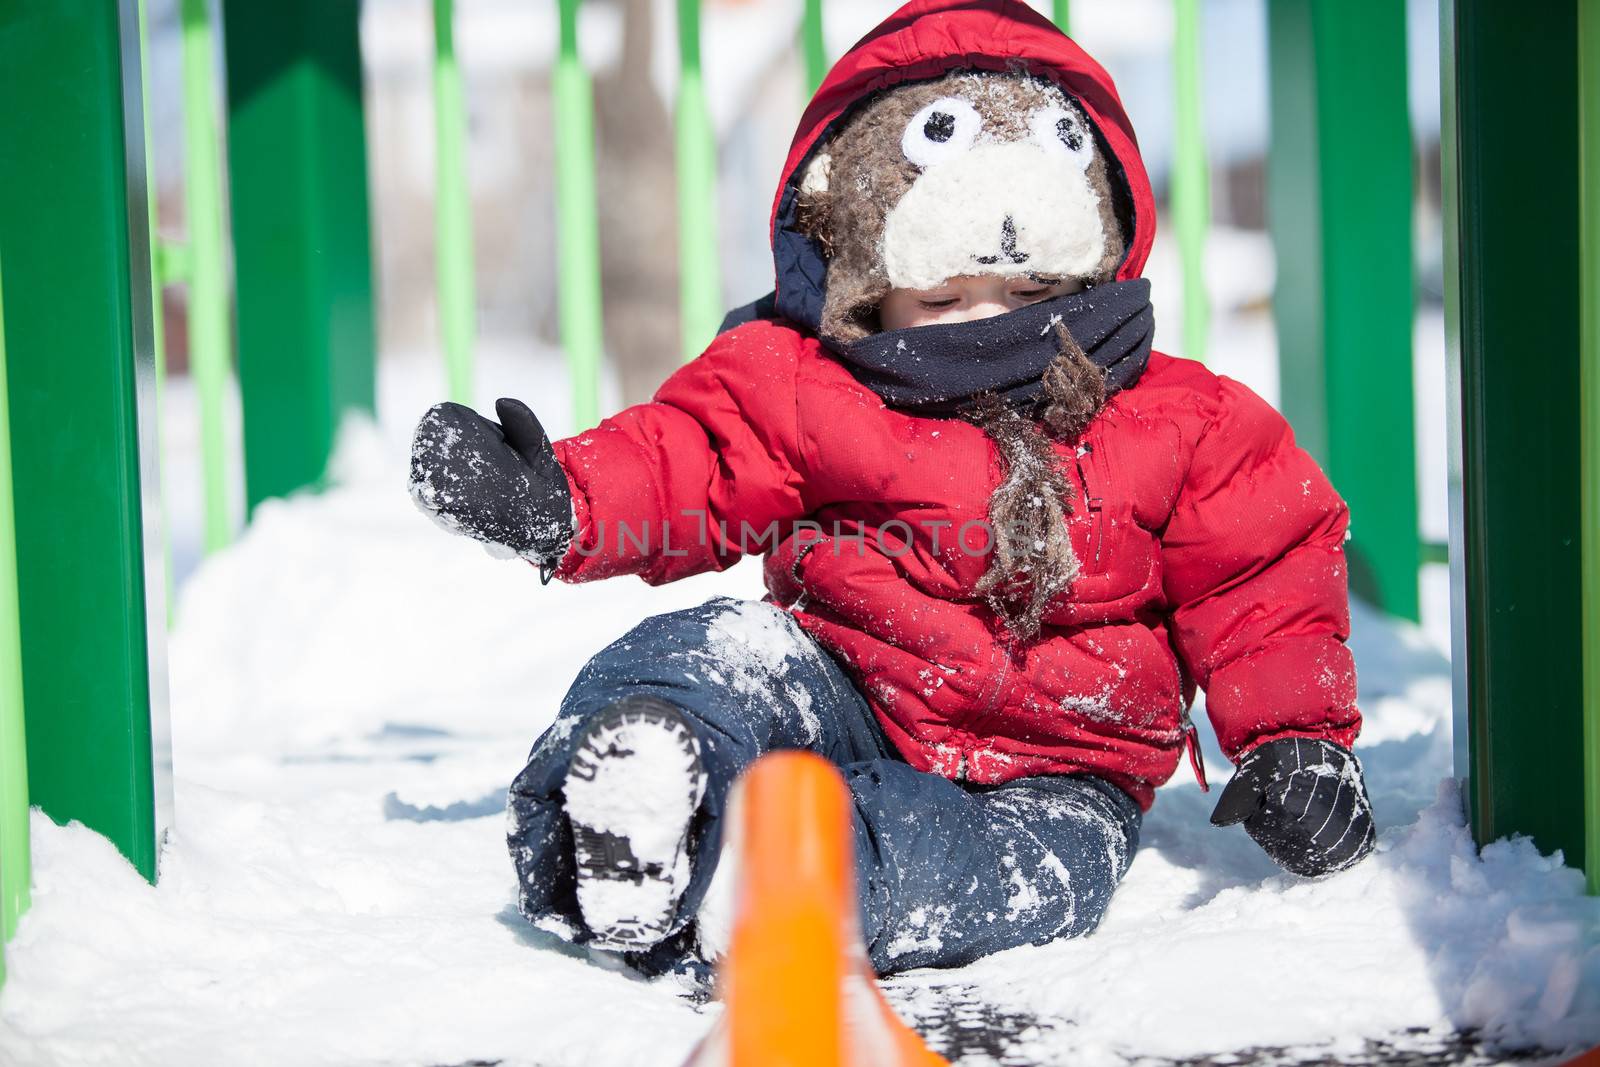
[(1589, 378), (80, 373), (157, 267), (1062, 10), (1191, 184), (1339, 200), (16, 877), (452, 209), (158, 329), (699, 271), (159, 325), (814, 45), (1517, 532), (578, 223), (297, 166), (210, 328)]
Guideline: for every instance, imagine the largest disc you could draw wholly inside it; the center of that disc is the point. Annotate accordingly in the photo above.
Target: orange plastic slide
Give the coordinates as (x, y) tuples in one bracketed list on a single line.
[(797, 988)]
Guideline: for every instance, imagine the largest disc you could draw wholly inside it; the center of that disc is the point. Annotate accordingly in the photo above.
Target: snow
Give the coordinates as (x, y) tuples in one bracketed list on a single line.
[(758, 646), (353, 692), (927, 930), (1200, 955), (713, 923)]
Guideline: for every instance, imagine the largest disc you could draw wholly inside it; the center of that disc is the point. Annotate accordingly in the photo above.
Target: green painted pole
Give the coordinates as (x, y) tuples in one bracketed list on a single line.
[(158, 253), (1191, 183), (16, 875), (452, 209), (814, 45), (700, 274), (157, 318), (172, 262), (210, 328), (1295, 220), (79, 381), (1341, 230), (1517, 532), (1062, 10), (1589, 390), (578, 223), (297, 167)]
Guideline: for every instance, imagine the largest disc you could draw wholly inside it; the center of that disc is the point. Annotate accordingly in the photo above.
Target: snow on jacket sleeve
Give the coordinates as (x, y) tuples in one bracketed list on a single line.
[(705, 471), (1257, 581)]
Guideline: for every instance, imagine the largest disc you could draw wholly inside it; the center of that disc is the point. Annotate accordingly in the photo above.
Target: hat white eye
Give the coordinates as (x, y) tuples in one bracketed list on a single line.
[(942, 130), (1060, 130)]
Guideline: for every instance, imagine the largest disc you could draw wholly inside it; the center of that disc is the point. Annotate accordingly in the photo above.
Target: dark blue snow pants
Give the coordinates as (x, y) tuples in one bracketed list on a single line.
[(947, 871)]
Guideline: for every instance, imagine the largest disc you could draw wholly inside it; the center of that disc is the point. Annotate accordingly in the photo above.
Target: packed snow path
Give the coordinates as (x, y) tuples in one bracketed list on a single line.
[(353, 690)]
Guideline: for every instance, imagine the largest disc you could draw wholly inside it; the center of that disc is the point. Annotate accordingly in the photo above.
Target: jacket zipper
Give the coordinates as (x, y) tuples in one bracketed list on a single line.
[(1197, 760), (1095, 503), (973, 727)]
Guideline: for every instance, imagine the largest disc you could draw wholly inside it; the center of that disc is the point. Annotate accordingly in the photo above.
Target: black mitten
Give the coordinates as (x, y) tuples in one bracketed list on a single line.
[(498, 483), (1303, 800)]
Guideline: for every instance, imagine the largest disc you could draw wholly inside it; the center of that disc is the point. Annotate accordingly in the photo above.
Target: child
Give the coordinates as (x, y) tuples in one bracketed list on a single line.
[(1004, 540)]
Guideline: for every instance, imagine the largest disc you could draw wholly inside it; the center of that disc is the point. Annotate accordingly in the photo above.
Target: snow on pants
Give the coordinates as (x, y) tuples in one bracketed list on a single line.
[(947, 872)]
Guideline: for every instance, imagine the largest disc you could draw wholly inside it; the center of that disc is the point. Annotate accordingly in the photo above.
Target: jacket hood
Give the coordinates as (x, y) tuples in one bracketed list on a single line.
[(926, 39)]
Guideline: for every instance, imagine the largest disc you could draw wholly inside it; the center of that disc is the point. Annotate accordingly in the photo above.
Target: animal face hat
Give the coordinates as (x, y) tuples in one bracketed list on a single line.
[(971, 173), (972, 137), (919, 45)]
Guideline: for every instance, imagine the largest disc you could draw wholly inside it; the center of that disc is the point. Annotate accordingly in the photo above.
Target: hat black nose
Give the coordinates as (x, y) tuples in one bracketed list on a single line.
[(1008, 245)]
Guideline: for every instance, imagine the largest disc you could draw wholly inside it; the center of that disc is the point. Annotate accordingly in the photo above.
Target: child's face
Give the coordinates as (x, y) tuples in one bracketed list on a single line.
[(968, 297)]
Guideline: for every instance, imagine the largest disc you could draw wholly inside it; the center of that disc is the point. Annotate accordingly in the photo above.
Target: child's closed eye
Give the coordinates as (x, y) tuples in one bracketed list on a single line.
[(938, 303), (1037, 287)]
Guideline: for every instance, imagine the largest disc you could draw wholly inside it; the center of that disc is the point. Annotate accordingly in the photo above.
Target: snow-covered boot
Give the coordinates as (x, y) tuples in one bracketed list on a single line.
[(632, 789)]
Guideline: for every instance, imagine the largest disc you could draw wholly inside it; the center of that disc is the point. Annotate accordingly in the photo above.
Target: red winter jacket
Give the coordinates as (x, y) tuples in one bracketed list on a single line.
[(1211, 545)]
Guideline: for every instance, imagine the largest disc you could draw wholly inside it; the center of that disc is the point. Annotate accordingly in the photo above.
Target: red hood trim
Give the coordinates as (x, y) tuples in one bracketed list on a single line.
[(926, 38)]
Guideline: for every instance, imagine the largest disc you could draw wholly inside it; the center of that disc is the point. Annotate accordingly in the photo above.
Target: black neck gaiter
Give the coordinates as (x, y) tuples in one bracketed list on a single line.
[(940, 370)]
